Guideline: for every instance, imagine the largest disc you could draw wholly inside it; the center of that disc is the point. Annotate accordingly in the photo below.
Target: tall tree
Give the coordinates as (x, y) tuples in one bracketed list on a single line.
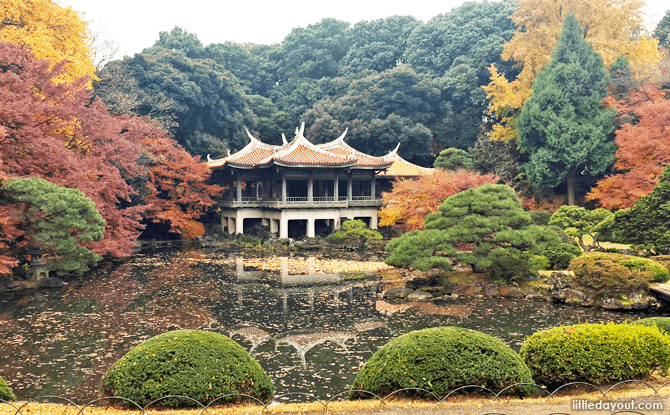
[(207, 102), (377, 45), (610, 26), (643, 149), (312, 52), (55, 132), (380, 110), (456, 48), (178, 39), (52, 32), (563, 125), (248, 62)]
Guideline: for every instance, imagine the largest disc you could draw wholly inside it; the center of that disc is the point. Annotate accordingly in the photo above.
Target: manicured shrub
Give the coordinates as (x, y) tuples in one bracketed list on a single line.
[(595, 353), (663, 323), (663, 260), (616, 273), (354, 231), (199, 364), (6, 394), (441, 359), (562, 255)]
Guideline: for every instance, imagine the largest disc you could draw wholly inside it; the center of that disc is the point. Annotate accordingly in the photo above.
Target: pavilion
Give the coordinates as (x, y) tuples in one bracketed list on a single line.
[(300, 188)]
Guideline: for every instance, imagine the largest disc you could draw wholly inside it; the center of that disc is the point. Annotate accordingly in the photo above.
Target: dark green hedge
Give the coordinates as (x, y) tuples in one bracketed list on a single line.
[(199, 364), (441, 359), (662, 323), (595, 353), (6, 394)]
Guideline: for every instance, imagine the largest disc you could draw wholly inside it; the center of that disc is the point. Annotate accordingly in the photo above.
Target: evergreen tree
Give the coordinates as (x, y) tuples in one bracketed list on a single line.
[(647, 223), (56, 219), (479, 222), (563, 126), (662, 31)]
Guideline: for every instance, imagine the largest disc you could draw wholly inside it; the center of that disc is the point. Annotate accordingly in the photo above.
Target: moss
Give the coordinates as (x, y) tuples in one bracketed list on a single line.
[(198, 364), (441, 359), (595, 353), (6, 394)]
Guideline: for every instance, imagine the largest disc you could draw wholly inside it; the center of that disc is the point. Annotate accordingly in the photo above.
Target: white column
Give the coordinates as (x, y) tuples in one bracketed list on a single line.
[(336, 188), (373, 222), (239, 189), (310, 228), (239, 222), (310, 189), (283, 228), (231, 225), (283, 189), (349, 189), (373, 189)]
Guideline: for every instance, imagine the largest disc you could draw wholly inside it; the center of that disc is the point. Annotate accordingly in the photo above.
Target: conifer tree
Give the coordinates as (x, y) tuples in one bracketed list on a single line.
[(647, 223), (563, 125)]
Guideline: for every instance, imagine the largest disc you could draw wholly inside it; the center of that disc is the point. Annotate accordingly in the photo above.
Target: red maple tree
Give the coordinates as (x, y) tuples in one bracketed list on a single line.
[(644, 148)]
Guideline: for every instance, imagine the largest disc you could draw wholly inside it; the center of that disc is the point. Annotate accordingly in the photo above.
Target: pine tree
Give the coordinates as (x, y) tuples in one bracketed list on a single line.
[(563, 126)]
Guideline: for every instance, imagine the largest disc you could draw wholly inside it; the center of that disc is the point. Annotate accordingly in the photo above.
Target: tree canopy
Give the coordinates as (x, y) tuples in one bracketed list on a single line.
[(53, 32), (608, 26), (562, 125)]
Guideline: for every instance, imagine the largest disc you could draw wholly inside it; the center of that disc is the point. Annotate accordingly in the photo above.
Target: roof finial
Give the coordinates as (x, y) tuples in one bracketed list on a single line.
[(251, 137), (302, 128), (283, 139), (341, 138), (395, 151)]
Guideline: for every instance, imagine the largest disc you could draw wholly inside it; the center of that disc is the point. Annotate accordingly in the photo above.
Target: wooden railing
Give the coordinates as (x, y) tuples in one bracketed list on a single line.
[(303, 202)]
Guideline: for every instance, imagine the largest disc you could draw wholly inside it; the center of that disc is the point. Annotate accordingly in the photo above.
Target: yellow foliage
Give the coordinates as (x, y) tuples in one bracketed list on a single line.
[(608, 25), (53, 33)]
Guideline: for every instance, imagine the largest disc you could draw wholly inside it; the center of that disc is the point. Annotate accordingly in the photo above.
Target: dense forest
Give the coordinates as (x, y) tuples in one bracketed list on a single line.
[(487, 82)]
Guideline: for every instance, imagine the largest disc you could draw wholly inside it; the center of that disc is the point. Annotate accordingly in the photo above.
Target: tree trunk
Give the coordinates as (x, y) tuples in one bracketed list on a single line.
[(572, 181)]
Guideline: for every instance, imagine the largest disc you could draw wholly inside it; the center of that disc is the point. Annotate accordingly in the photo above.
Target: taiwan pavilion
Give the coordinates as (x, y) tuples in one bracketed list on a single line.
[(299, 188)]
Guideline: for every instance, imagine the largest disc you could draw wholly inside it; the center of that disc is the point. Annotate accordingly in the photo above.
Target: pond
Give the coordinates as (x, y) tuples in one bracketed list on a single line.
[(312, 332)]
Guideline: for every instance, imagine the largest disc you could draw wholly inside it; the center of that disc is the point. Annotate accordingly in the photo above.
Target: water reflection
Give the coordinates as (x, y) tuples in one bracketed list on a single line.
[(311, 332)]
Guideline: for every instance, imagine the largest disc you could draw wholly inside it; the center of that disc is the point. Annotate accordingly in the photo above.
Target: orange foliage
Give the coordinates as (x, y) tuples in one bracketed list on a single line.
[(546, 204), (644, 149), (180, 194), (412, 200)]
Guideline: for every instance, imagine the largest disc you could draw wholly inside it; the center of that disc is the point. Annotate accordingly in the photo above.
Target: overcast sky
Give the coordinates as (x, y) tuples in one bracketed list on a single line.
[(135, 24)]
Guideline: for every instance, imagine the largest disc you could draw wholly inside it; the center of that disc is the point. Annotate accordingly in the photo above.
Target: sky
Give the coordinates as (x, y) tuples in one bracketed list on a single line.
[(135, 24)]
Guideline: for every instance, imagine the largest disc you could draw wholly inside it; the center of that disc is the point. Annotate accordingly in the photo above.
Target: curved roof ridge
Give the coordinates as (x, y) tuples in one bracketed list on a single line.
[(301, 140)]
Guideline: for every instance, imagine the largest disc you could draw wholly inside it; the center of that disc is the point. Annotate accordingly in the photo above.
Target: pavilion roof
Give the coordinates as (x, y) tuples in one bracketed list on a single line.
[(403, 168), (300, 152)]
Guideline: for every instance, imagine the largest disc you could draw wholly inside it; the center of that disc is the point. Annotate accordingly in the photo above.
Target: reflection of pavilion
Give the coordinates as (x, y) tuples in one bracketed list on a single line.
[(303, 343), (288, 285)]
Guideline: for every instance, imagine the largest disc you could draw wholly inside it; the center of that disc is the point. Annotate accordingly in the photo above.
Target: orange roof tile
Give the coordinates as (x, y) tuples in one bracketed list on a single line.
[(403, 168)]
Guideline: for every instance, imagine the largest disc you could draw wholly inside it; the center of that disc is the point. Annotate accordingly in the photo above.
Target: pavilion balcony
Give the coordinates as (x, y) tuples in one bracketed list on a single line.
[(302, 202)]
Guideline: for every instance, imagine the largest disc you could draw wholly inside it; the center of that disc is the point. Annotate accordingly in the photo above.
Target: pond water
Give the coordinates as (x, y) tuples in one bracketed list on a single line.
[(311, 333)]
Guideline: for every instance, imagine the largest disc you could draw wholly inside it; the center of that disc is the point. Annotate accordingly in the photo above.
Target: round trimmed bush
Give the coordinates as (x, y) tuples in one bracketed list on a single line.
[(441, 359), (562, 255), (199, 364), (663, 323), (6, 394), (616, 273), (595, 353)]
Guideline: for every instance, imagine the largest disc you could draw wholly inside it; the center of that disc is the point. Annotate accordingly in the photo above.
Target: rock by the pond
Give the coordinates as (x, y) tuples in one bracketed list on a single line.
[(559, 280), (50, 282), (465, 289), (515, 292), (419, 295), (397, 292), (491, 290)]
